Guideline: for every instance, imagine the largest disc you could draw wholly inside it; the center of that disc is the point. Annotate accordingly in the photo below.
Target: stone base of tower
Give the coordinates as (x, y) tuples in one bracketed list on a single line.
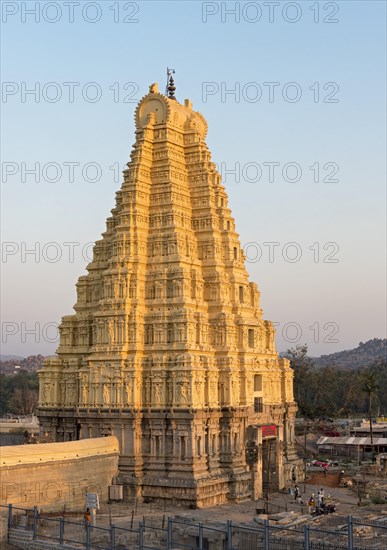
[(185, 460), (184, 457), (203, 493), (188, 457)]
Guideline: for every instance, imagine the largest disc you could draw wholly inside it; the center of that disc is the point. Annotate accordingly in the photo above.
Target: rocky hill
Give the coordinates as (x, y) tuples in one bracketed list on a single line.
[(9, 357), (13, 366), (363, 356)]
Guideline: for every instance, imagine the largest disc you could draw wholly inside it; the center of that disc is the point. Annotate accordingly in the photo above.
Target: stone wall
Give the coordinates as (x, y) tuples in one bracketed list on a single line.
[(57, 475)]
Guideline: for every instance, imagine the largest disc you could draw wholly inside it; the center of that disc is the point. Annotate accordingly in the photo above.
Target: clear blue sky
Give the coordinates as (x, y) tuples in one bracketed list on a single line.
[(338, 75)]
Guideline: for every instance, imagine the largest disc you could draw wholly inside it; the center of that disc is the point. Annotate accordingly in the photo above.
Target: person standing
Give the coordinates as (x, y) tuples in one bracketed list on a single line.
[(87, 516), (311, 505), (294, 479), (297, 493)]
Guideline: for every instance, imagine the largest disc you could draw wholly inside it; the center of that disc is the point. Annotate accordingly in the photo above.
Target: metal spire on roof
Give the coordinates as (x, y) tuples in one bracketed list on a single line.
[(170, 87)]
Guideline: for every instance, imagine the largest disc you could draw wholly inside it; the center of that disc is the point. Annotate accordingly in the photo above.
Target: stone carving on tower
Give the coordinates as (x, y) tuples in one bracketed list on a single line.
[(167, 348)]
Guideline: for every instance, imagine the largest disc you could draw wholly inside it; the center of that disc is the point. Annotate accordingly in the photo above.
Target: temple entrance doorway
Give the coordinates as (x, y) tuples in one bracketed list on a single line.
[(269, 466)]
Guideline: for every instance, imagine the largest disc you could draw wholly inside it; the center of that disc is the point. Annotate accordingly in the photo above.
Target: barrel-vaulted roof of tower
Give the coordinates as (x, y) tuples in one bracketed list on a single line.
[(155, 108)]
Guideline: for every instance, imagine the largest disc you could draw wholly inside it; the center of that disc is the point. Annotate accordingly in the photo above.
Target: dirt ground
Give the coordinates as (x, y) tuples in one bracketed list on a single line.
[(346, 502), (318, 478)]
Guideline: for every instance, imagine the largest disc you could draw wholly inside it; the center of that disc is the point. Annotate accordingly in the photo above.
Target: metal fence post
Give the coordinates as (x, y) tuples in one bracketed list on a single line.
[(112, 537), (200, 536), (266, 534), (350, 533), (35, 524), (9, 520), (306, 537), (169, 531), (61, 530), (9, 516), (141, 536), (87, 544), (229, 535)]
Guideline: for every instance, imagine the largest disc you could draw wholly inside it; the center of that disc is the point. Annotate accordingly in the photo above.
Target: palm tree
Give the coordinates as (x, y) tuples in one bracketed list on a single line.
[(370, 387)]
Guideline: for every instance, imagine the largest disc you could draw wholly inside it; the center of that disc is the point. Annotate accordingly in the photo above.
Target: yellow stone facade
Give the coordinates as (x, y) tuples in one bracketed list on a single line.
[(167, 349)]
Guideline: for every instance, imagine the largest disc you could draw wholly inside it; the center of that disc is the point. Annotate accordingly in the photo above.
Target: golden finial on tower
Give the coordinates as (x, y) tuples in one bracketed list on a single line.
[(170, 87)]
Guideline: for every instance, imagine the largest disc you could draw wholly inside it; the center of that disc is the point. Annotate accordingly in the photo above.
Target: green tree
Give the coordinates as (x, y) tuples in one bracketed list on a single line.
[(5, 394), (332, 390), (19, 393), (370, 387), (353, 399), (303, 371)]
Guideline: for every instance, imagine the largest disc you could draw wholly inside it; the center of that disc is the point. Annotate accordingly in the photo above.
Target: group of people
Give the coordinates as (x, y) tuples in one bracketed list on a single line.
[(314, 505)]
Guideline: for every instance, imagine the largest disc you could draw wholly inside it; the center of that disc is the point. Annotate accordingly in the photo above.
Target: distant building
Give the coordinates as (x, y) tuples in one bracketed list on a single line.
[(351, 446), (379, 429)]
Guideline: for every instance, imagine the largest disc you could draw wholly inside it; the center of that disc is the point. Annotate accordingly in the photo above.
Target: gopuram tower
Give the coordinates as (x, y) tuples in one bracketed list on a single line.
[(167, 348)]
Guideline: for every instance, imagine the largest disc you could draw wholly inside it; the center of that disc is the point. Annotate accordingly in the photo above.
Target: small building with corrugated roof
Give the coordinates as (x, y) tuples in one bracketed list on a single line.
[(351, 446)]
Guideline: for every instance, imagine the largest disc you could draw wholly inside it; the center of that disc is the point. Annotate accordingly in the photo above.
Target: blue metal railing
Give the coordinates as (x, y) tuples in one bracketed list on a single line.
[(179, 534)]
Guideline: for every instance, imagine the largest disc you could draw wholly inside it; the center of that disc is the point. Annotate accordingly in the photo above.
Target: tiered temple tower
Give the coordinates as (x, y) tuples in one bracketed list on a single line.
[(168, 349)]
